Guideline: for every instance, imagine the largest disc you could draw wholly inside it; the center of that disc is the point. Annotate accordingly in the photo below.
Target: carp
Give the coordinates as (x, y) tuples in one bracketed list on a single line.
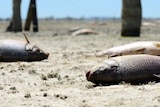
[(132, 69), (141, 47), (15, 50)]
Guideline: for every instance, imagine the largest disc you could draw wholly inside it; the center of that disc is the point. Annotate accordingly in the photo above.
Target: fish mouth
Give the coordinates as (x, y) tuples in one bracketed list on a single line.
[(88, 75), (46, 55), (90, 78), (43, 56)]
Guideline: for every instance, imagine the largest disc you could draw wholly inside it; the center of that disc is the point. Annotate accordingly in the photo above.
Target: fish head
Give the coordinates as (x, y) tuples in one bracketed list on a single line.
[(104, 73), (35, 53)]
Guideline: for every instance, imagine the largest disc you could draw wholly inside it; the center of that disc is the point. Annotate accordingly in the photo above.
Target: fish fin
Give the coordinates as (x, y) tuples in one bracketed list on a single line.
[(157, 45), (27, 40), (156, 75), (139, 51)]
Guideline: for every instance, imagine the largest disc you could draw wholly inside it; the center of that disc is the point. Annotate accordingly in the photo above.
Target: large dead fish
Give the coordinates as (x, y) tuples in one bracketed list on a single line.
[(14, 50), (130, 68), (141, 47)]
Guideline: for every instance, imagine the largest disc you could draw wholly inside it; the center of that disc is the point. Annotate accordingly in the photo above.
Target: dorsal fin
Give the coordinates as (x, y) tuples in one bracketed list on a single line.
[(27, 40)]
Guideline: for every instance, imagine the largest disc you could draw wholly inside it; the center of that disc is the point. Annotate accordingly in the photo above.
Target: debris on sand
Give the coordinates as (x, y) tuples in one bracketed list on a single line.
[(27, 95)]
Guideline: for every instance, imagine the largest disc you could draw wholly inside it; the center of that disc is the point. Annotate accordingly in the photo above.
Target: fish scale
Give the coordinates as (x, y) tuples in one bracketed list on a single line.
[(12, 49), (129, 68), (138, 66)]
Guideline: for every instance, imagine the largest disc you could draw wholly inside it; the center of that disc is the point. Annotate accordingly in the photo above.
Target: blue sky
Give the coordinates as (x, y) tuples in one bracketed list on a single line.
[(79, 8)]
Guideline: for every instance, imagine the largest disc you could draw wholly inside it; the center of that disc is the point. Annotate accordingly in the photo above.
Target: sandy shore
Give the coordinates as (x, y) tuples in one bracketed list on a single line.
[(60, 80)]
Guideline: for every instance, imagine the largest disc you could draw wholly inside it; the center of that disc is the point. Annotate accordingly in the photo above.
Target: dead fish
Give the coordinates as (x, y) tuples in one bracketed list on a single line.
[(84, 32), (132, 69), (15, 50), (141, 47)]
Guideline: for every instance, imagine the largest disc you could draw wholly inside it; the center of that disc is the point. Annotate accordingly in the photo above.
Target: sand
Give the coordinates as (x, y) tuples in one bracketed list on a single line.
[(60, 80)]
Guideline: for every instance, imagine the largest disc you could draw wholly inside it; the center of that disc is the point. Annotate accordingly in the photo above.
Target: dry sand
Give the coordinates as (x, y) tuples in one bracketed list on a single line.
[(60, 80)]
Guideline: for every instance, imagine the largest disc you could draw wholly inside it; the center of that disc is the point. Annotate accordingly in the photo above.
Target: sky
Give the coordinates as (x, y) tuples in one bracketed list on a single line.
[(79, 8)]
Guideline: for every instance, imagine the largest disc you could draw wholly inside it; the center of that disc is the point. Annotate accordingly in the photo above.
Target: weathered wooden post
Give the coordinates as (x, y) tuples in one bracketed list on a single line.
[(15, 24), (131, 18), (32, 16)]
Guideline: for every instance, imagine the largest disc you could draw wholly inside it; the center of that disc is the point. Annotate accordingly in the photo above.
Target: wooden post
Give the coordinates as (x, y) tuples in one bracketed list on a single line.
[(15, 24), (28, 20), (131, 18), (34, 13), (32, 16)]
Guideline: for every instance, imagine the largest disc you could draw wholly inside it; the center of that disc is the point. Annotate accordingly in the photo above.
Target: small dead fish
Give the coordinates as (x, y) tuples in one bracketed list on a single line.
[(84, 32), (141, 47), (130, 69), (14, 50)]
